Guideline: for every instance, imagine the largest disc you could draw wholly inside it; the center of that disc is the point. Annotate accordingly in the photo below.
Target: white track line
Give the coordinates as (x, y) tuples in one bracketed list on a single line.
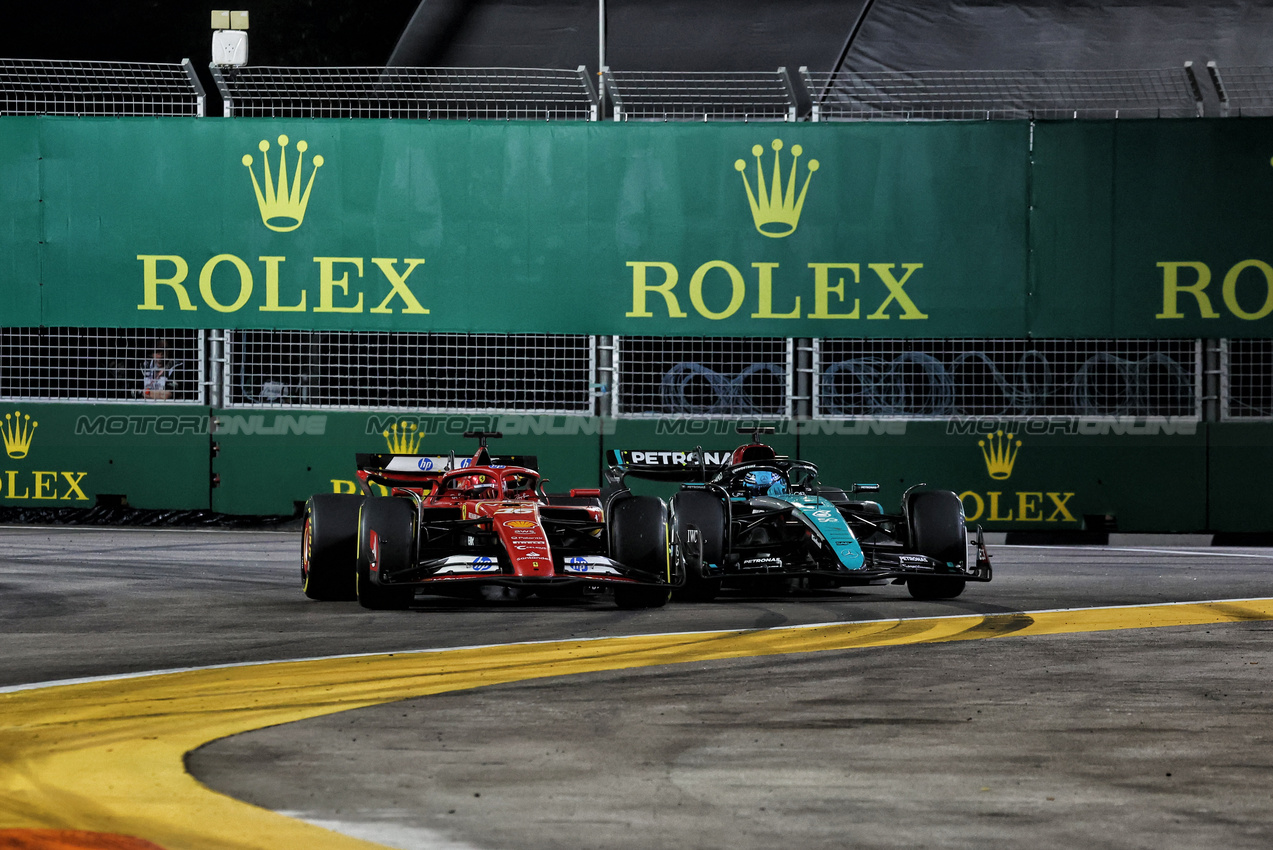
[(1201, 551)]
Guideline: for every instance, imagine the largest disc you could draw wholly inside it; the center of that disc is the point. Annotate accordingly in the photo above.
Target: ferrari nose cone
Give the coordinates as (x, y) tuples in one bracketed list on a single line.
[(524, 540)]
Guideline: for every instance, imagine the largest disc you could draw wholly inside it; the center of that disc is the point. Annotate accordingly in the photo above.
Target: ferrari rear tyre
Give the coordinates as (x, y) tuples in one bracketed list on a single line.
[(392, 523), (639, 541), (936, 526), (329, 546), (694, 509)]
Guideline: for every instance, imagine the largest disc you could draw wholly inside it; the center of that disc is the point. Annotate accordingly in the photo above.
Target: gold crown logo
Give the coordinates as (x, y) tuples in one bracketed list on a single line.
[(402, 438), (282, 206), (776, 213), (17, 432), (1000, 454)]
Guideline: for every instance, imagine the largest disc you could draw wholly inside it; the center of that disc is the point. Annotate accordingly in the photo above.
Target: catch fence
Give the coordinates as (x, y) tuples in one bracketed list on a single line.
[(65, 87), (633, 377), (82, 88)]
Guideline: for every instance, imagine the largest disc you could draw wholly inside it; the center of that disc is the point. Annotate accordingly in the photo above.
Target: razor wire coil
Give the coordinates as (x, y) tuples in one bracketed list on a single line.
[(1028, 383), (727, 395)]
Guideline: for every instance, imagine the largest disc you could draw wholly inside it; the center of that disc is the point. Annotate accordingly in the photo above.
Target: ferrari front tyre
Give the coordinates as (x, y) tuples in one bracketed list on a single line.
[(935, 520), (386, 537), (329, 545), (639, 541), (694, 509)]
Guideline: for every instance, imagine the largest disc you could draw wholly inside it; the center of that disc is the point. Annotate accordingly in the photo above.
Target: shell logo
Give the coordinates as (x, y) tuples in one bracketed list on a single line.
[(519, 523)]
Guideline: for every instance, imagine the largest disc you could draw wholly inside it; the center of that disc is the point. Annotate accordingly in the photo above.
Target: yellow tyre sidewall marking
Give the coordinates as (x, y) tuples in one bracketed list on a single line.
[(108, 755)]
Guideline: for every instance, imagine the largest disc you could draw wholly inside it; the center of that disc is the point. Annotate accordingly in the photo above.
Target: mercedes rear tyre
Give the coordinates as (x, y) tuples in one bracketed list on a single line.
[(329, 546), (639, 541), (699, 527), (386, 534), (935, 521)]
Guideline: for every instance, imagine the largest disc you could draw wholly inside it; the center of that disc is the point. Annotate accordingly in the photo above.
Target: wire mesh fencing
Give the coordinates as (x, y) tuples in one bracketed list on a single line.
[(1246, 379), (990, 95), (935, 378), (1243, 90), (66, 87), (648, 377), (703, 376), (436, 372), (700, 96), (87, 88), (101, 364), (427, 93)]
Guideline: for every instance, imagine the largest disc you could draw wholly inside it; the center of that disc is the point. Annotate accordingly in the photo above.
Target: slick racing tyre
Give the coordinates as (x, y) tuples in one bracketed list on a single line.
[(329, 545), (392, 522), (638, 540), (936, 524), (694, 509)]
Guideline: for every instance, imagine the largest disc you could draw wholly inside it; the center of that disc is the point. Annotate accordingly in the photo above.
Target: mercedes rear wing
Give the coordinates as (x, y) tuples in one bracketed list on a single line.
[(694, 466)]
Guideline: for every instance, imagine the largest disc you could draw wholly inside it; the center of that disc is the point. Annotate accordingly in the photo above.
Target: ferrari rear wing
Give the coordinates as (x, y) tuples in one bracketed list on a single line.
[(424, 471), (435, 464), (696, 465)]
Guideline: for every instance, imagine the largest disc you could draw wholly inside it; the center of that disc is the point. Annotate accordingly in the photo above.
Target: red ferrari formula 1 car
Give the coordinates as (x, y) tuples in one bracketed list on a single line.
[(453, 527)]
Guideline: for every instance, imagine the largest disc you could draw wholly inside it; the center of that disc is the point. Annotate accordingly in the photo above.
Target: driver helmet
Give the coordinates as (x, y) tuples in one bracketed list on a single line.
[(762, 482)]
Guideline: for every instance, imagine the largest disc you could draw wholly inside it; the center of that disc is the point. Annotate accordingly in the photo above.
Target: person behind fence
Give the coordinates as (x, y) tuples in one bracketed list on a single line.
[(159, 375)]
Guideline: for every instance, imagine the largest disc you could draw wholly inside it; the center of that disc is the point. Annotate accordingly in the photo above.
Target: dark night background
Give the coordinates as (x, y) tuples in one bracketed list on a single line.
[(668, 35), (282, 32), (660, 35)]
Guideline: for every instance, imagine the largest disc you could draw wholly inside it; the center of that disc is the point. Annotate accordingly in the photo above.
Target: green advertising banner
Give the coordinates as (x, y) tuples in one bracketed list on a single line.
[(1032, 474), (882, 230), (1193, 229), (77, 455), (1152, 229), (993, 229), (1240, 455), (19, 223), (1051, 475), (1072, 230)]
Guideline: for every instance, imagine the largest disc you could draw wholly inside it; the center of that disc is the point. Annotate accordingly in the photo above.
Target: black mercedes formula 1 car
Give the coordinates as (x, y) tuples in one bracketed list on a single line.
[(746, 517)]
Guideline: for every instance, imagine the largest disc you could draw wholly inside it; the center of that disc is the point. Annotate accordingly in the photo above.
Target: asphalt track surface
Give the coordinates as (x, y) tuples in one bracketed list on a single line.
[(1088, 696)]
